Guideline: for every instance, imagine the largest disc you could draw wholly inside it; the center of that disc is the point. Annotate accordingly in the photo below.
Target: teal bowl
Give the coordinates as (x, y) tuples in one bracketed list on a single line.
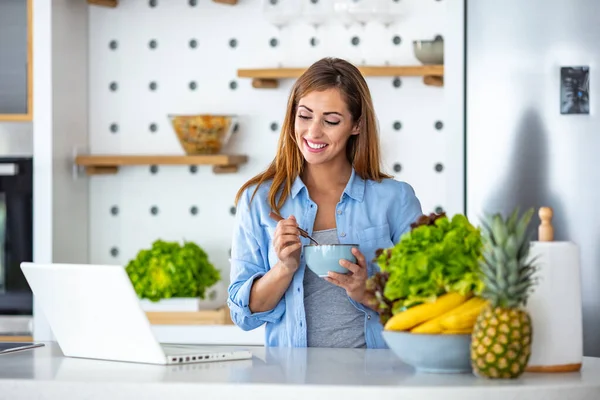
[(432, 353), (323, 258)]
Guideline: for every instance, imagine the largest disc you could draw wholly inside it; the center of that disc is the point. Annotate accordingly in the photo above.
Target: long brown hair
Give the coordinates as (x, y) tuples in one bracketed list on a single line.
[(362, 150)]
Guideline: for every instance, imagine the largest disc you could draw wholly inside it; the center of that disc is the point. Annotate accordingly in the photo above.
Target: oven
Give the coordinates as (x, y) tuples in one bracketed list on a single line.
[(16, 234)]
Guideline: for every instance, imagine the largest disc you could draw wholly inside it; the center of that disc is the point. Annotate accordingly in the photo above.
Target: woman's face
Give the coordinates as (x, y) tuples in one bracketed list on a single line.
[(323, 126)]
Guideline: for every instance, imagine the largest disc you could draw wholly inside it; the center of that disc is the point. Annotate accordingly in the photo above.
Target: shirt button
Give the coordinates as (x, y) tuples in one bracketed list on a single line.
[(339, 212), (368, 317), (343, 234)]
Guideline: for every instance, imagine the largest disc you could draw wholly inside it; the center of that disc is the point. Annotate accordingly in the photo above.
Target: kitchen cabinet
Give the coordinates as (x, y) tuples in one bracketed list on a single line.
[(16, 92)]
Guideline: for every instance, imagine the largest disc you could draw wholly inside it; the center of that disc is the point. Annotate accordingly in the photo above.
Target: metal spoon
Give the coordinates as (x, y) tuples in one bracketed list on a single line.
[(303, 233)]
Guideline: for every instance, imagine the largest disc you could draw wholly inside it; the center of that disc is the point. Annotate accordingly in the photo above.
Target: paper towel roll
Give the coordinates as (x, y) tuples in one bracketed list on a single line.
[(555, 307)]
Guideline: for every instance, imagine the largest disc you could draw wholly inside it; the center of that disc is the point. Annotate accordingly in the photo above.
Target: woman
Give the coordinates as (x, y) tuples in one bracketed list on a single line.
[(325, 178)]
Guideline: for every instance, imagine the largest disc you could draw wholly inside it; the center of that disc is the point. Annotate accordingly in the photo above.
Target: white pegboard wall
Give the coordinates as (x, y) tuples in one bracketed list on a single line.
[(191, 54)]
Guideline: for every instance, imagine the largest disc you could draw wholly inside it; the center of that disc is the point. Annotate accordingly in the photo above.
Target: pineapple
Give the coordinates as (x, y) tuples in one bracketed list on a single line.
[(501, 338)]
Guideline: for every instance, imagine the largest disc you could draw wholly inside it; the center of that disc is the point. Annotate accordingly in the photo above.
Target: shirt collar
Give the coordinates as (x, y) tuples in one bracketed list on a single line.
[(355, 188)]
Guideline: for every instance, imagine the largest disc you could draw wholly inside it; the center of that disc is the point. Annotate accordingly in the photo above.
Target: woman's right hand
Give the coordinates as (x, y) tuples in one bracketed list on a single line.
[(287, 244)]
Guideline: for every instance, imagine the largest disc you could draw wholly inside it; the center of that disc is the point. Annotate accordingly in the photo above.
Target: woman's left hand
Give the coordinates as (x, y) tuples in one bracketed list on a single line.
[(355, 282)]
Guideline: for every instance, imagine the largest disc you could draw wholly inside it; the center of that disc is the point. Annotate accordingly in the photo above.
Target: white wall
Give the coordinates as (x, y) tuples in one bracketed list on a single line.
[(61, 222), (16, 139), (120, 222), (418, 146)]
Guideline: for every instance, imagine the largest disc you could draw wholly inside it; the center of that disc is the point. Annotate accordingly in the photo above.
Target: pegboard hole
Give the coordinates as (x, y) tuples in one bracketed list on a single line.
[(114, 128), (193, 43), (153, 127), (114, 252), (153, 3), (153, 44), (355, 40), (153, 86), (274, 126), (233, 43), (439, 210), (114, 210), (397, 40), (397, 125), (193, 85), (439, 167), (233, 85), (273, 42), (232, 210), (439, 125), (193, 3), (113, 86), (397, 167), (314, 41), (193, 169), (153, 169), (397, 82), (154, 210), (113, 44), (193, 210)]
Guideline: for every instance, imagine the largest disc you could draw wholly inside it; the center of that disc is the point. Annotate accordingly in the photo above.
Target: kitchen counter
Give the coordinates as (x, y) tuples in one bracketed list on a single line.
[(282, 373)]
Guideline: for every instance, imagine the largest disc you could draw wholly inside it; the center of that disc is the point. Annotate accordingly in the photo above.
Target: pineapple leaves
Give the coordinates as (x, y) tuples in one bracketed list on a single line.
[(505, 270), (499, 230)]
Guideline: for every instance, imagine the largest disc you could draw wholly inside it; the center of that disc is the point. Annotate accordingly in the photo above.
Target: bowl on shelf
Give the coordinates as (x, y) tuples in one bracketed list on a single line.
[(203, 133), (429, 52), (432, 353), (323, 258)]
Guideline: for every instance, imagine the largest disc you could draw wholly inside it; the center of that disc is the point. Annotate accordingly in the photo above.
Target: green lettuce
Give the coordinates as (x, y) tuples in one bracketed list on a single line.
[(427, 262), (170, 269)]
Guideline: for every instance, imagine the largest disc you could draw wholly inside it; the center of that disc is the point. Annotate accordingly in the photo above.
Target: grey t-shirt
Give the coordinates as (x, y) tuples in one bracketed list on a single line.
[(332, 321)]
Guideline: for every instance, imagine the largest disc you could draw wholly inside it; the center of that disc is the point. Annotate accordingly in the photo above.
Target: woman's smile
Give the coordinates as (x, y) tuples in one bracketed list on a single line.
[(313, 146)]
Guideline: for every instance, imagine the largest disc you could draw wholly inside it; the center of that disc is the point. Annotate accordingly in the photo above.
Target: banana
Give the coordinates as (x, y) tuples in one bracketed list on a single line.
[(435, 325), (462, 320), (457, 332), (416, 315)]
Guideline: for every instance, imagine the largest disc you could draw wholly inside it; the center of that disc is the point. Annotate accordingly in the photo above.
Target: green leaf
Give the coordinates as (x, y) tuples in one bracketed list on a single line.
[(431, 260), (170, 269)]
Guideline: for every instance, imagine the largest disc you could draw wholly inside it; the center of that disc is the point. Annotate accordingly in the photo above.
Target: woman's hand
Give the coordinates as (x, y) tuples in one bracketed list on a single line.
[(287, 244), (355, 282)]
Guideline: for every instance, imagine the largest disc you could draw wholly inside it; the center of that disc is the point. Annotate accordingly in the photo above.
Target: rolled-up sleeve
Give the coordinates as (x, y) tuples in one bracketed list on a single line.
[(408, 213), (248, 263)]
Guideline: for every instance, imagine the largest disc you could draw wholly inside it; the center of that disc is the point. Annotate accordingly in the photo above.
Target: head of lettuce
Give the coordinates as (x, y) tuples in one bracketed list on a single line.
[(439, 255)]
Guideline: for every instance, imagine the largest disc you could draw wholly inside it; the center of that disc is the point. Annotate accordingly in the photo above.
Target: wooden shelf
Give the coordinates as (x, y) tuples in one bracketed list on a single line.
[(204, 317), (115, 3), (109, 164), (15, 338), (267, 78), (104, 3)]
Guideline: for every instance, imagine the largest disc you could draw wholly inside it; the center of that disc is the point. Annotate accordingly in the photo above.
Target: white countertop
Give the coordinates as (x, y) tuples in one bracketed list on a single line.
[(277, 373)]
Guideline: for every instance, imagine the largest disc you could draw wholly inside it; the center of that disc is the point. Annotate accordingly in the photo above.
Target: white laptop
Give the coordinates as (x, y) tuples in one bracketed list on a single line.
[(94, 312)]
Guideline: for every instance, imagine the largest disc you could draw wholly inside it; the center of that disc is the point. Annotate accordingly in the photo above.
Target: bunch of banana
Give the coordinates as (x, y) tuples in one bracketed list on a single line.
[(451, 313)]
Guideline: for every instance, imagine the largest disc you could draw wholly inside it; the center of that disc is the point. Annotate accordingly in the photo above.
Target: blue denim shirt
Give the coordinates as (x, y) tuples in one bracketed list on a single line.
[(371, 214)]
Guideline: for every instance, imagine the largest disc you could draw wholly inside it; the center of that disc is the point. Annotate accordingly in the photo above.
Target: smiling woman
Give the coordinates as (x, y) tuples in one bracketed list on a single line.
[(325, 178)]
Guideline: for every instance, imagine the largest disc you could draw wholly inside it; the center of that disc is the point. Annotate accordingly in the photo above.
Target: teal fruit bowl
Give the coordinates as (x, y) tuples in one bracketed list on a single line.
[(432, 353), (323, 258)]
